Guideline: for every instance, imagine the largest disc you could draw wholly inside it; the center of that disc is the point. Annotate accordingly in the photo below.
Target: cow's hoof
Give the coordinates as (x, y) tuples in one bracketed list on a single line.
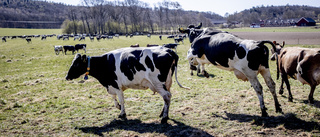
[(118, 107), (124, 116), (279, 110), (164, 120), (311, 101), (281, 91), (290, 99), (264, 114), (206, 75)]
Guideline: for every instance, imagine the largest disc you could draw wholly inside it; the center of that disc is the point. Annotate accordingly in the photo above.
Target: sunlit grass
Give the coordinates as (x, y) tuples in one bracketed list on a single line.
[(36, 100)]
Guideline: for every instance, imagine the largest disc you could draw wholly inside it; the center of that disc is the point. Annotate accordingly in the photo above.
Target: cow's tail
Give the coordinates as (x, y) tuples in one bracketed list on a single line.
[(176, 73), (175, 64), (261, 43), (274, 49)]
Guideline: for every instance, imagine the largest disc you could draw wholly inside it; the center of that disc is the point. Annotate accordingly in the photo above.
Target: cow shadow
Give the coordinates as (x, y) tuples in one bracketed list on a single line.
[(176, 129), (210, 76), (289, 121), (295, 100), (315, 104)]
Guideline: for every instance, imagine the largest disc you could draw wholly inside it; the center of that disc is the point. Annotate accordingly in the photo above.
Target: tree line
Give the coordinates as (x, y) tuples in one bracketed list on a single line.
[(274, 13), (101, 16), (130, 16)]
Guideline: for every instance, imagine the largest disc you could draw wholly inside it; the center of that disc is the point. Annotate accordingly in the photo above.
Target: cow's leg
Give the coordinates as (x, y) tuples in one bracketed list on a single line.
[(313, 87), (166, 95), (116, 103), (258, 88), (281, 86), (272, 87), (198, 69), (285, 79), (121, 100), (204, 72)]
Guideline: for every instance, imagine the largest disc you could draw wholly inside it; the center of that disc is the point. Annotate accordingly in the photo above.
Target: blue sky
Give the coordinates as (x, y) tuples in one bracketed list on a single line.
[(221, 6)]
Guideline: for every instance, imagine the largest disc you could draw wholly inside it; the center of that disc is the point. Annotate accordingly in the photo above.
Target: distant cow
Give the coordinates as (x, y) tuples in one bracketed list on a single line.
[(177, 40), (57, 49), (82, 38), (300, 63), (80, 46), (65, 37), (171, 46), (43, 37), (137, 68), (149, 35), (170, 37), (28, 40), (134, 46), (150, 45), (4, 39), (91, 38), (160, 37), (59, 37), (246, 58), (68, 48)]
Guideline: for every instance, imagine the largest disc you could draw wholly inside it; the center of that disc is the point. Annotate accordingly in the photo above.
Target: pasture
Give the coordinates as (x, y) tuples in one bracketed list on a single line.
[(36, 100)]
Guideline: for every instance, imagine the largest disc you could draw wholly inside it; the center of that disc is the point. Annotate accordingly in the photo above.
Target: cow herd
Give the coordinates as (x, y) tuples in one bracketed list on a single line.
[(152, 67), (26, 37)]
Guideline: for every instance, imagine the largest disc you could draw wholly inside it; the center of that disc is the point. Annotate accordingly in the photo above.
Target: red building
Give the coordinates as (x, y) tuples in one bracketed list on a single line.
[(306, 22)]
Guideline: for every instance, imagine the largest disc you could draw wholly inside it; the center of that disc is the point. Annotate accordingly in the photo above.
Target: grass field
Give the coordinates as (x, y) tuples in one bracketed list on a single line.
[(36, 100)]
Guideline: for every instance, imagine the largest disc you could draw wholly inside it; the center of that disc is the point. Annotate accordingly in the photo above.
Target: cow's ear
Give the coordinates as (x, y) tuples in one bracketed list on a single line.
[(84, 58), (199, 26), (274, 42), (184, 30)]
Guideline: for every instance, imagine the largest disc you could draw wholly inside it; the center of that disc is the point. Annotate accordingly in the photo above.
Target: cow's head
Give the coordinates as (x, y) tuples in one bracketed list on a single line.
[(192, 31), (78, 67), (192, 59), (277, 50)]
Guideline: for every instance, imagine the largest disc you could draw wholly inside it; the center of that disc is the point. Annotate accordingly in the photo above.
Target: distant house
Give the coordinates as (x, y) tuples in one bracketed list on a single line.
[(306, 22)]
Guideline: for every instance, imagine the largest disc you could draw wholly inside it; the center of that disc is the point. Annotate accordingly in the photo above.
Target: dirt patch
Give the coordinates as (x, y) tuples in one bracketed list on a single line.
[(292, 38)]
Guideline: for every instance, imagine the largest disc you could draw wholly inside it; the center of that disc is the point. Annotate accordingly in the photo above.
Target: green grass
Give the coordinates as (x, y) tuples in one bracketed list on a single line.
[(36, 100)]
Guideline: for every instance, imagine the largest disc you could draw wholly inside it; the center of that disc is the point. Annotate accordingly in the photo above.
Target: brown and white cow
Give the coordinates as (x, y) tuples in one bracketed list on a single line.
[(246, 58), (297, 62)]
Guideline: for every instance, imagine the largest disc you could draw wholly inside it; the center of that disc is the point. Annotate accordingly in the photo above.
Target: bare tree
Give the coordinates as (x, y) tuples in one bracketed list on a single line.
[(134, 11), (98, 14), (149, 20), (160, 12), (73, 16)]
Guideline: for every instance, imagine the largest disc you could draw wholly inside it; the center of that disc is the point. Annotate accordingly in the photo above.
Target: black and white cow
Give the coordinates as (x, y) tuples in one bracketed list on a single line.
[(171, 46), (177, 40), (4, 39), (57, 49), (137, 68), (80, 46), (28, 40), (246, 58), (68, 48), (195, 31), (43, 37)]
